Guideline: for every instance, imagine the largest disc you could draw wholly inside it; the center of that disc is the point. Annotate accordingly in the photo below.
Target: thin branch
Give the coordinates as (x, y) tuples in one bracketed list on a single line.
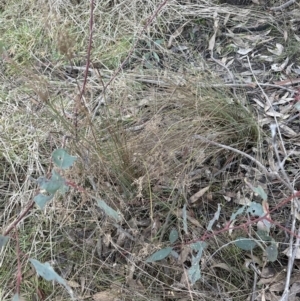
[(292, 255), (89, 50), (283, 6)]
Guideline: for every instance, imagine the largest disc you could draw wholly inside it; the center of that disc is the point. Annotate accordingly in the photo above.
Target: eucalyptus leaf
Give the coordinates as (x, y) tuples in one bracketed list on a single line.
[(173, 235), (215, 218), (159, 255), (46, 271), (237, 213), (260, 191), (62, 159), (42, 199), (194, 273), (3, 241), (264, 236), (255, 209), (108, 210), (53, 184), (272, 252), (246, 244), (198, 246), (17, 297)]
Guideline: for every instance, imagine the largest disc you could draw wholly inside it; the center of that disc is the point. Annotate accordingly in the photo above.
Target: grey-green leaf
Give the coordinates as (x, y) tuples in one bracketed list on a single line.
[(237, 213), (272, 252), (17, 297), (215, 218), (108, 210), (62, 159), (53, 184), (260, 191), (264, 236), (3, 241), (159, 255), (173, 235), (42, 199), (255, 209), (246, 244), (194, 273), (46, 271), (198, 246), (297, 106)]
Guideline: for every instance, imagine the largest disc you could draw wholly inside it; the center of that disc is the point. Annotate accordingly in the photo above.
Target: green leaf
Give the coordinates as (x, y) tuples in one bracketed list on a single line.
[(264, 236), (260, 191), (184, 219), (108, 210), (173, 236), (267, 224), (239, 212), (62, 159), (42, 199), (198, 246), (174, 254), (46, 271), (3, 241), (215, 218), (159, 255), (272, 252), (159, 41), (297, 106), (17, 297), (246, 244), (255, 209), (156, 57), (53, 184), (194, 273)]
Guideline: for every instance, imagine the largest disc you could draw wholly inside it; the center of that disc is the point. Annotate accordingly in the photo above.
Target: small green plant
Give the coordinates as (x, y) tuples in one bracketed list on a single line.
[(56, 183), (256, 214), (49, 187)]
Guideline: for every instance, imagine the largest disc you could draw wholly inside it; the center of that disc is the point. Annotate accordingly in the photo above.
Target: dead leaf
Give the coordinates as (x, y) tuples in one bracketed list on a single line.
[(73, 284), (107, 295), (277, 286), (287, 131), (194, 198), (212, 40), (295, 289), (279, 68), (177, 33), (211, 43), (192, 220), (278, 50), (184, 254), (287, 82), (223, 266), (287, 250)]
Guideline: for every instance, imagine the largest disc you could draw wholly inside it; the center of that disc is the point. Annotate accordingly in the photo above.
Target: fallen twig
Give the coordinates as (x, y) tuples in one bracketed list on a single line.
[(283, 6)]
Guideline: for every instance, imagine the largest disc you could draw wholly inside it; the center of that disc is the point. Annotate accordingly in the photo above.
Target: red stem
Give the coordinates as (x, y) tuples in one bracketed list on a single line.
[(251, 222)]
